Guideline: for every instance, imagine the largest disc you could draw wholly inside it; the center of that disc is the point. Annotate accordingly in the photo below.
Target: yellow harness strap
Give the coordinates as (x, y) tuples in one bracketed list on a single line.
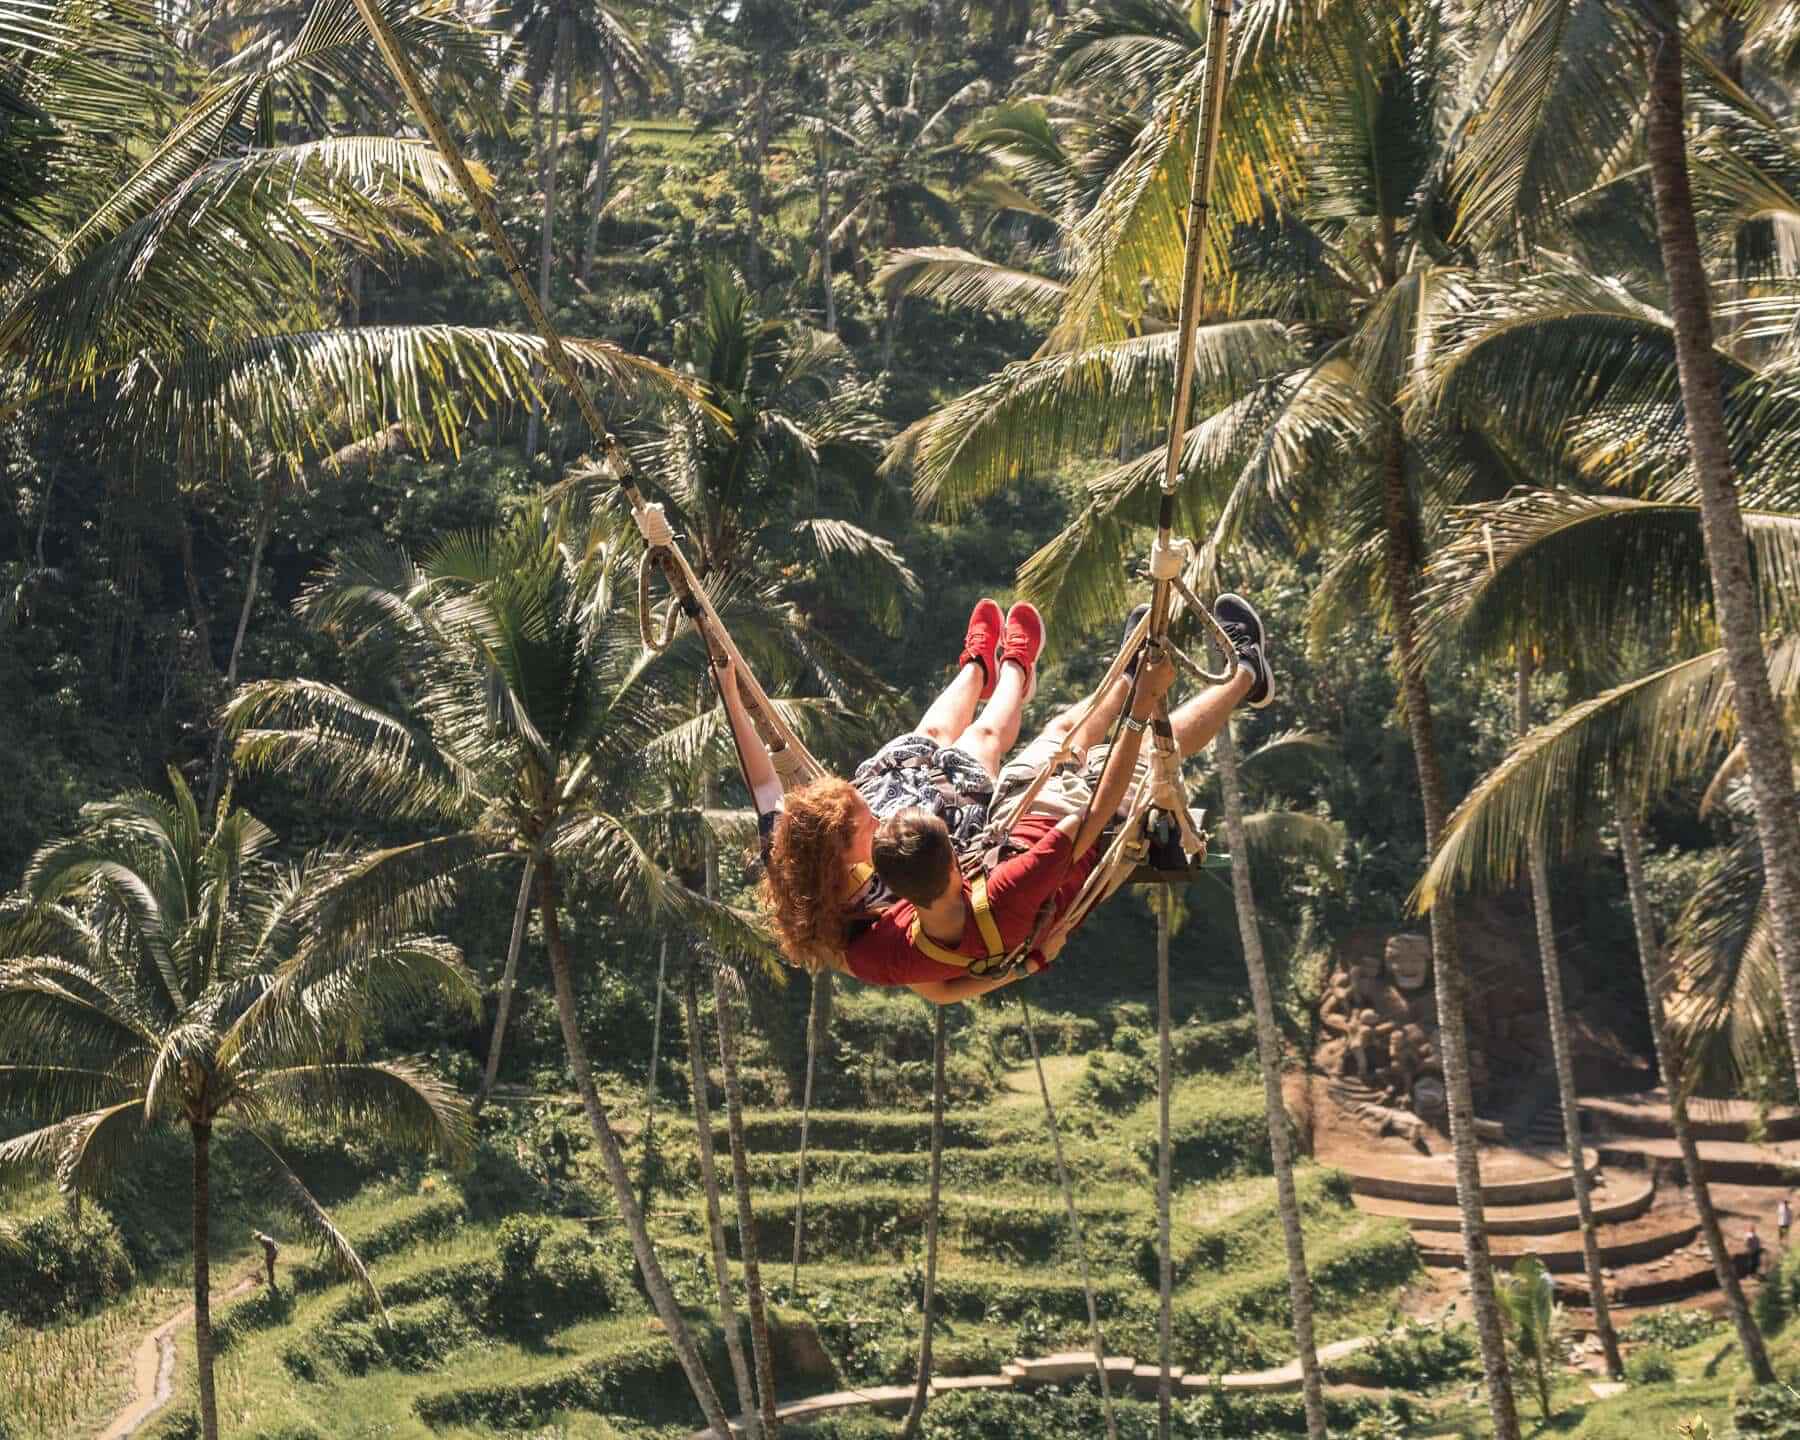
[(984, 922)]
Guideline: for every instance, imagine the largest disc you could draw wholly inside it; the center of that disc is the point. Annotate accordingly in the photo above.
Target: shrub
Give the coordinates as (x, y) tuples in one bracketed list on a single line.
[(1411, 1357), (1214, 1045), (1673, 1329), (1116, 1082), (517, 1243), (1652, 1365), (1217, 1129), (57, 1267), (1769, 1412)]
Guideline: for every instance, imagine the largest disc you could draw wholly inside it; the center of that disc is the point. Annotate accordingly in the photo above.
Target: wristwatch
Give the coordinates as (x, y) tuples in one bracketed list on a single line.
[(1135, 725)]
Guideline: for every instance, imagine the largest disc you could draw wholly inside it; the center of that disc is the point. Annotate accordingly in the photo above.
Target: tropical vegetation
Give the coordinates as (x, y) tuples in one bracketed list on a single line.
[(379, 870)]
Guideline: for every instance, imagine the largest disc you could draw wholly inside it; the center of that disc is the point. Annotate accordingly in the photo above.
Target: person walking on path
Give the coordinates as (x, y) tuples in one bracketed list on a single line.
[(1753, 1249), (1784, 1217)]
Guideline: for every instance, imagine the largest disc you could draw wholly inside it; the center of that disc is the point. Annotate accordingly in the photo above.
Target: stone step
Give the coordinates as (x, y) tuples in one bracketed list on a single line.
[(1647, 1114), (1563, 1253), (1728, 1162), (1625, 1198), (1407, 1180)]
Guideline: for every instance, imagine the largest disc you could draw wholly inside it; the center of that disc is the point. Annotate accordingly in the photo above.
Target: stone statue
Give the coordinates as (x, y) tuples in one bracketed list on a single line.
[(1408, 959), (1409, 1052)]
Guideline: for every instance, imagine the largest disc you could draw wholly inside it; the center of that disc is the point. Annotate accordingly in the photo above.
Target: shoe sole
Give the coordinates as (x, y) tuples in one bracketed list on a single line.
[(1268, 675)]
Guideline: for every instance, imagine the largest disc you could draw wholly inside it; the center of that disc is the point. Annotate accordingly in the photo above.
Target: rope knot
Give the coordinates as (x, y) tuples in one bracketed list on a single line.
[(653, 525)]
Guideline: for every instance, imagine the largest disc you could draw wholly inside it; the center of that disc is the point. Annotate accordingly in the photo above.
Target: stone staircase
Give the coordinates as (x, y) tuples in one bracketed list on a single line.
[(1650, 1246)]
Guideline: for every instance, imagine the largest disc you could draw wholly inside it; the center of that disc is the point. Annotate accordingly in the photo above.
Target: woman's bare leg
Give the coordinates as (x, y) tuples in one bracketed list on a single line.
[(992, 735), (1198, 720), (953, 710)]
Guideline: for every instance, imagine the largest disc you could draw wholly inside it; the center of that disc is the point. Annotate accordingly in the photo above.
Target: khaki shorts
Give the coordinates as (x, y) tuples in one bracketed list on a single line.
[(1070, 791)]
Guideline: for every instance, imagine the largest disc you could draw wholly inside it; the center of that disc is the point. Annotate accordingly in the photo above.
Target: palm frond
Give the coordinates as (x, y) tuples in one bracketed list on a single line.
[(1567, 90), (1571, 572), (1641, 735), (390, 1099), (347, 750), (963, 279), (1040, 412), (309, 390), (1724, 1001), (331, 1242), (95, 1145), (1293, 835)]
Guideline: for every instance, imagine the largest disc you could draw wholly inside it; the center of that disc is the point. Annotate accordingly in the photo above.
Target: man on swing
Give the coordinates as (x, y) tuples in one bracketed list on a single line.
[(944, 922), (819, 881)]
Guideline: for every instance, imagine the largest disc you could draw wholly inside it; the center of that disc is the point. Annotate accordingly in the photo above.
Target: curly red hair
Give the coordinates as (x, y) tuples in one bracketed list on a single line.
[(808, 879)]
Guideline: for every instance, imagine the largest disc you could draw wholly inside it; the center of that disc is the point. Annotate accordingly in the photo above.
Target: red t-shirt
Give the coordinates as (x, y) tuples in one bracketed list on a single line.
[(1017, 890)]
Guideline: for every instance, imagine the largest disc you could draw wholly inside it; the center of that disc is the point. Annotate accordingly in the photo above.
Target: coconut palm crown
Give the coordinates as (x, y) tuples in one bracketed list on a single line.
[(158, 973)]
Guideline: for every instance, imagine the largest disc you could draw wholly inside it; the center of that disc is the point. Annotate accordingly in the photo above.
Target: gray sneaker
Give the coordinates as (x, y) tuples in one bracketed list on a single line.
[(1131, 624), (1238, 619)]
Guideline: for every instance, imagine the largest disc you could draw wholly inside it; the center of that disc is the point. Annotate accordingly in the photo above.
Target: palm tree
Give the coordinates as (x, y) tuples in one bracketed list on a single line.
[(1301, 383), (1632, 740), (1562, 1053), (557, 44), (1268, 1051), (715, 1218), (534, 722), (895, 158), (158, 973), (1529, 1298), (755, 505), (1770, 761), (1558, 117)]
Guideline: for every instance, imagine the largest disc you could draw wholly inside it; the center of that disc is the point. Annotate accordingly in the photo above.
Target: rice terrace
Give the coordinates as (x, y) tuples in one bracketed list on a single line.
[(899, 721)]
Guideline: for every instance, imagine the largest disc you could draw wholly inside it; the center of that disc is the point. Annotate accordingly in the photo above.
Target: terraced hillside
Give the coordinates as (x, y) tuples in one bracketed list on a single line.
[(510, 1297)]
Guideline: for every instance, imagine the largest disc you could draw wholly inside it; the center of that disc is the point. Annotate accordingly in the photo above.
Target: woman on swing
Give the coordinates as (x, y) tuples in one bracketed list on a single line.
[(816, 843)]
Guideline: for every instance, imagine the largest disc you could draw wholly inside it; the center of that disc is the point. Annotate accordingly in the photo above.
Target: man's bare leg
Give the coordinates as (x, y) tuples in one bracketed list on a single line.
[(1201, 718), (993, 734), (954, 709)]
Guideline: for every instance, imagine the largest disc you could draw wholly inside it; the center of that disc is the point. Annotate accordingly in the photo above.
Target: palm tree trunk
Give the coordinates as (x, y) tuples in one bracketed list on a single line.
[(656, 1284), (509, 977), (715, 1210), (819, 1014), (740, 1185), (602, 179), (1165, 1248), (203, 1338), (544, 182), (758, 164), (265, 522), (928, 1305), (644, 1179), (825, 209), (1721, 523), (1451, 983), (1656, 982), (1268, 1049), (190, 579), (1558, 1015)]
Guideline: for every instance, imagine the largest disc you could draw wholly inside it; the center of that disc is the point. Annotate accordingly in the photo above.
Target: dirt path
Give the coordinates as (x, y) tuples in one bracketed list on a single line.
[(153, 1368)]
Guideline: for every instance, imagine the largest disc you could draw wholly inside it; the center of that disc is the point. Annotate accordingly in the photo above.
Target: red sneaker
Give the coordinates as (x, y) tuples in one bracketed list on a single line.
[(1024, 642), (982, 643)]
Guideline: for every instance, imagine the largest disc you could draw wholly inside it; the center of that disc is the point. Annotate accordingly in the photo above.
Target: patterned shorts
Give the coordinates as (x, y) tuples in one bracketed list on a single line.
[(915, 770)]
